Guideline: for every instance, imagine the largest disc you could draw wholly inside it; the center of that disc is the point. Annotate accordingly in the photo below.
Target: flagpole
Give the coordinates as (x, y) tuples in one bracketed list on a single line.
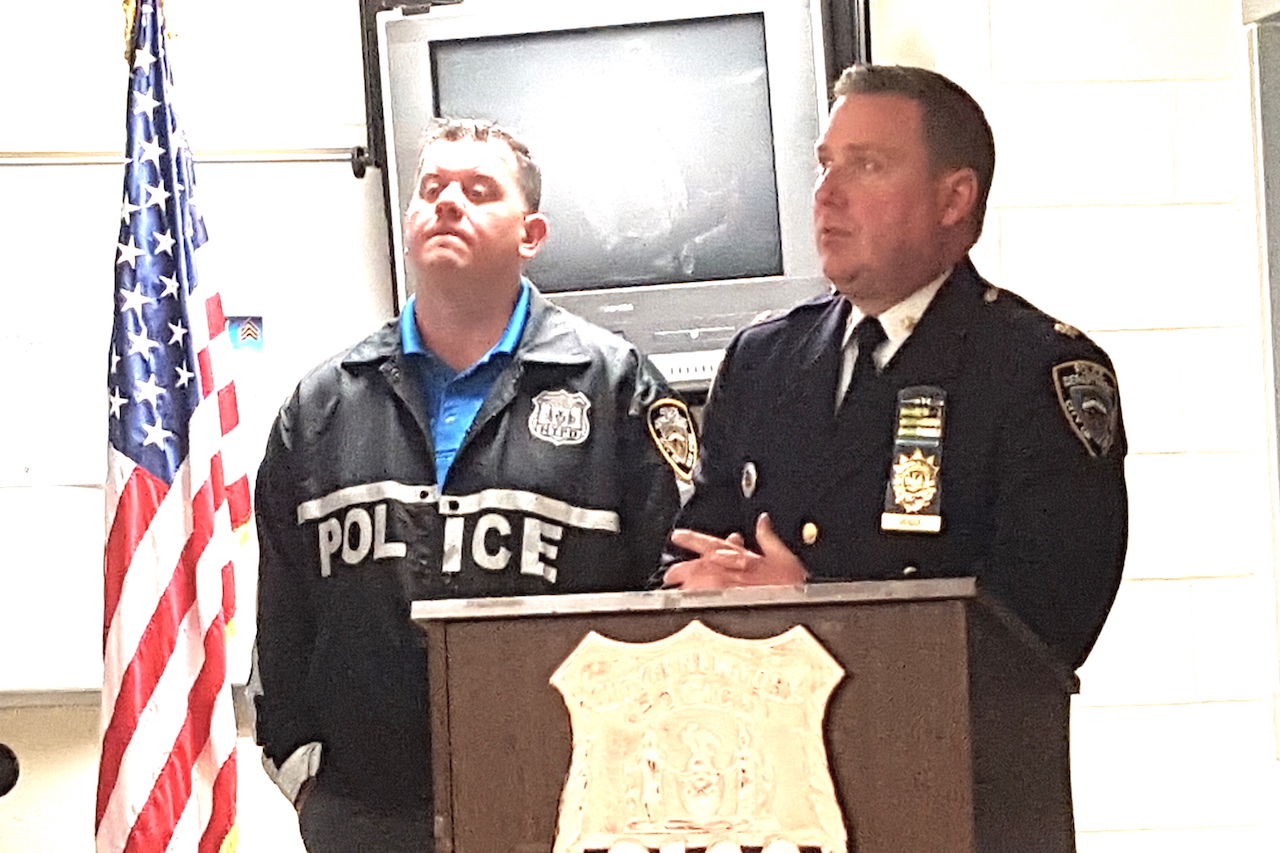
[(177, 500)]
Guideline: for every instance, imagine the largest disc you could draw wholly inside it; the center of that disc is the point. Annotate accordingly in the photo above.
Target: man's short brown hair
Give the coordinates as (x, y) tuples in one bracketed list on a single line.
[(528, 175), (956, 132)]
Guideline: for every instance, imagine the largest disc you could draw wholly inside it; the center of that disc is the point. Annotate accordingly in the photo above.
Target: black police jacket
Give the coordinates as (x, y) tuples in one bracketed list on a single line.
[(559, 487), (1029, 474)]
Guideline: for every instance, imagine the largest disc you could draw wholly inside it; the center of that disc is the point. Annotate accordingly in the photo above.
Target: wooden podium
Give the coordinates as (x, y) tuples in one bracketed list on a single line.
[(947, 734)]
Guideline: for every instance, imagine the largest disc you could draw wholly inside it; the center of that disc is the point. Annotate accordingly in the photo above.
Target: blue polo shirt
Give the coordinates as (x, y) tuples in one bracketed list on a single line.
[(454, 397)]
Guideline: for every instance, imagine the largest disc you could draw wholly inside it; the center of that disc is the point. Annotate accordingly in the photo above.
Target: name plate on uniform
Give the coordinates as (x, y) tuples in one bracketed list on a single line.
[(699, 741), (913, 496)]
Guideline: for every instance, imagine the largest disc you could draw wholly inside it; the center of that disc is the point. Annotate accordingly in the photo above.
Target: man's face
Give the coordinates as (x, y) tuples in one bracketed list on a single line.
[(878, 206), (468, 215)]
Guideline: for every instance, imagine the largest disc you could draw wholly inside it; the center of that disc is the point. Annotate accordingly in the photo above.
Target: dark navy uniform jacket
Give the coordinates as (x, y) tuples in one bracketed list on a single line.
[(1033, 504), (558, 487)]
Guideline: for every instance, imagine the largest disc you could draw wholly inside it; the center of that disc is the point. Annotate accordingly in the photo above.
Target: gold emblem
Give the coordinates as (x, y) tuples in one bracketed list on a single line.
[(1090, 398), (673, 433), (915, 481), (809, 533), (698, 740), (913, 496)]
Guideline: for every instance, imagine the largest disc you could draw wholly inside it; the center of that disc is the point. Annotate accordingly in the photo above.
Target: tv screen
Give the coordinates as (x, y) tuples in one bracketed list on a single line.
[(655, 140), (675, 138)]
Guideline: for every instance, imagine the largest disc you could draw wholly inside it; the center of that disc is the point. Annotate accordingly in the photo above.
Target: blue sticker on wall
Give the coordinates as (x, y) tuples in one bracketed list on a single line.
[(246, 332)]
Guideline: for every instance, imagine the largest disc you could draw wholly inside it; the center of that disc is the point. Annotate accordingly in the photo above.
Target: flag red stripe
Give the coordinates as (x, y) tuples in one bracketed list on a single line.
[(229, 591), (238, 502), (213, 315), (205, 360), (224, 807), (228, 411), (139, 500), (217, 480), (158, 640), (154, 825)]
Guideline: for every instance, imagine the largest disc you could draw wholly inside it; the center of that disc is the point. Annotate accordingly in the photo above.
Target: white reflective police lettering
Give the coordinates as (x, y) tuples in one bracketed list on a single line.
[(382, 549), (358, 518), (356, 535), (486, 559), (538, 538), (451, 556), (330, 531)]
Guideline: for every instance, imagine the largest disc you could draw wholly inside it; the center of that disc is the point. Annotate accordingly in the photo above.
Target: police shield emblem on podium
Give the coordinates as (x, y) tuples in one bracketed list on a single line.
[(698, 740)]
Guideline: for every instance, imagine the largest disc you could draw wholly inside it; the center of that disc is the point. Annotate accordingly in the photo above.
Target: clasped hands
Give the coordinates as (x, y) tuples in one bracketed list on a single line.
[(724, 563)]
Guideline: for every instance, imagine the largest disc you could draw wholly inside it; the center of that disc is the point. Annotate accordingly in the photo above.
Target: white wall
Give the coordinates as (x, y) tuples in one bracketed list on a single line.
[(1124, 202)]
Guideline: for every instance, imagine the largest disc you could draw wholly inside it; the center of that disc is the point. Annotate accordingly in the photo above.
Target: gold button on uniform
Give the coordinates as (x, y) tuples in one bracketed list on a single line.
[(809, 533)]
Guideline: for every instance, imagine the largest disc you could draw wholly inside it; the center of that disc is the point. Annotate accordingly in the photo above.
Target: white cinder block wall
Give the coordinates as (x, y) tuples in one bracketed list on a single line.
[(1125, 202)]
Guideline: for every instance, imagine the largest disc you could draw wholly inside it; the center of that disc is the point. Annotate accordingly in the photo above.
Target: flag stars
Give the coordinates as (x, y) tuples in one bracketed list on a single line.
[(147, 391), (127, 209), (184, 376), (135, 299), (156, 434), (164, 243), (151, 151), (143, 103), (177, 333), (140, 344), (143, 58), (170, 286), (155, 196), (116, 402), (129, 252)]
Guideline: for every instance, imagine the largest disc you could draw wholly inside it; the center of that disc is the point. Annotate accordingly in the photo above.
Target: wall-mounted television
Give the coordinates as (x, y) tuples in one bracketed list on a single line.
[(675, 138)]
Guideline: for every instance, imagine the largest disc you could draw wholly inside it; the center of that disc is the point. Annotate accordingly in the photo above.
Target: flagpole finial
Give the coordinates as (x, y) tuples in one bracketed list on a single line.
[(129, 7)]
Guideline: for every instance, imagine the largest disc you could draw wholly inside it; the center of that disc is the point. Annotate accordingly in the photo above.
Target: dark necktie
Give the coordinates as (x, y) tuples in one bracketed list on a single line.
[(869, 335)]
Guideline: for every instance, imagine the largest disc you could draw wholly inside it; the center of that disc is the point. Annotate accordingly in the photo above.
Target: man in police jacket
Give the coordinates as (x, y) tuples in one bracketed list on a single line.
[(918, 422), (484, 443)]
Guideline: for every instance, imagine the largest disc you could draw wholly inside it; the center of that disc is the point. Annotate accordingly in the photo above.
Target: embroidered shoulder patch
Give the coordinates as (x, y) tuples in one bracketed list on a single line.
[(1090, 399), (672, 429)]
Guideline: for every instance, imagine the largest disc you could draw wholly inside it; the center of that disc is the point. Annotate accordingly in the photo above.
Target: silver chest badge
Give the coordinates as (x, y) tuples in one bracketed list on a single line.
[(560, 417)]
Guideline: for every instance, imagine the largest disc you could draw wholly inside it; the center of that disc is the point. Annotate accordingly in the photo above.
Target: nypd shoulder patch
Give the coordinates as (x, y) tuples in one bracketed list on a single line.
[(671, 427), (1090, 400)]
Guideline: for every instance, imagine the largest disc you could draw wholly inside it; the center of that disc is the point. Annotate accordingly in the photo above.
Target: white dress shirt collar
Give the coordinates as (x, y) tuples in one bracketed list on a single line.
[(899, 321)]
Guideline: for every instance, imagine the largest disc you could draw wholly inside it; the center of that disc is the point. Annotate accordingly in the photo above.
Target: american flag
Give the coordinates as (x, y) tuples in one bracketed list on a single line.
[(175, 505)]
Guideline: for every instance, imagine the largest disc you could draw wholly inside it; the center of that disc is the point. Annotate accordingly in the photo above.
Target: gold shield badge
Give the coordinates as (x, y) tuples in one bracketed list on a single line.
[(913, 497), (698, 740), (672, 430), (915, 481)]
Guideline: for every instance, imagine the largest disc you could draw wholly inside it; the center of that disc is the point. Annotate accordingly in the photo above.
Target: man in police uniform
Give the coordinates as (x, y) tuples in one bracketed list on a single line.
[(918, 422), (485, 443)]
